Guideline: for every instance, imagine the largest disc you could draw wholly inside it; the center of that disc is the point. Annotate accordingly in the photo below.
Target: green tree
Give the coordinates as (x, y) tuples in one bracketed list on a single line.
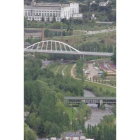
[(33, 107), (113, 58), (55, 130), (25, 22), (28, 133)]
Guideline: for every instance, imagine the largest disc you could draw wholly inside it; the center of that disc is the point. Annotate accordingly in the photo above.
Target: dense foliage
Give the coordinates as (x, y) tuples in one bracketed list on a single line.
[(29, 133), (99, 91), (49, 33), (79, 68), (114, 56), (106, 130), (44, 99)]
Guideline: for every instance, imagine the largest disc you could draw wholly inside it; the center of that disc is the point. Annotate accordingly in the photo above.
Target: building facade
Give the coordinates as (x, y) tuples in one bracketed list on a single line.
[(78, 135), (50, 11)]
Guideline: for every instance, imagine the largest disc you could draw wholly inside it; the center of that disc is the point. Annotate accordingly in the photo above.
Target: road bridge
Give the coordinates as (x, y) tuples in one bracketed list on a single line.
[(57, 47), (91, 100)]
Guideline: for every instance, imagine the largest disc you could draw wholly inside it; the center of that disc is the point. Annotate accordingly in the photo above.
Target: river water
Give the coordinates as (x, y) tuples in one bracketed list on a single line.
[(97, 114)]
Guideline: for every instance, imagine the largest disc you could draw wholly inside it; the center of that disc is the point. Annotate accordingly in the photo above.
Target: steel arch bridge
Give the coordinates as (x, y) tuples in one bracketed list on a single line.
[(58, 47)]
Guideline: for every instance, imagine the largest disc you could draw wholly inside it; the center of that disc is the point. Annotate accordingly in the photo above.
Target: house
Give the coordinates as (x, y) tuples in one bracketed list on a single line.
[(78, 135), (93, 2), (104, 3), (54, 138), (77, 16), (41, 139)]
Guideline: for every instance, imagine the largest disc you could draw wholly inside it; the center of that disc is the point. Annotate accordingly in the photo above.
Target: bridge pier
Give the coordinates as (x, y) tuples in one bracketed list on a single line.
[(109, 58), (98, 105), (84, 58), (104, 60)]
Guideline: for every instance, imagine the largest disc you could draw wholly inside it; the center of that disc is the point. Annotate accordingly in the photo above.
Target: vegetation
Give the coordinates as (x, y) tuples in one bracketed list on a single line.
[(106, 130), (50, 34), (79, 68), (100, 90), (44, 96), (28, 133), (114, 56), (67, 71)]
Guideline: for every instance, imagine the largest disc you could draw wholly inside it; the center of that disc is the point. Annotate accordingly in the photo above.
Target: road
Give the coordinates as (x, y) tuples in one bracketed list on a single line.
[(101, 31)]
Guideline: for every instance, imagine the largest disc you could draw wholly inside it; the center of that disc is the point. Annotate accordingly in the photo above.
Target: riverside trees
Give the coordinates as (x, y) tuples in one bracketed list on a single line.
[(28, 133)]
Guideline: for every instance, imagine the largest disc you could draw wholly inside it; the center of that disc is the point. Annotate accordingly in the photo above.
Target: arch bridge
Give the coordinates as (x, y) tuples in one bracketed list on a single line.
[(58, 47)]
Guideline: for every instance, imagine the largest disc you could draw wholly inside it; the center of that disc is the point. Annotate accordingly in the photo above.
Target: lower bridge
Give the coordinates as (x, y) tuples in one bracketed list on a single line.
[(91, 100)]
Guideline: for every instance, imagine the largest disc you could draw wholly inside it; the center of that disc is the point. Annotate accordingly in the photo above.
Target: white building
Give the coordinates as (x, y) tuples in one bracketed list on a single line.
[(93, 2), (77, 16), (104, 3), (49, 11)]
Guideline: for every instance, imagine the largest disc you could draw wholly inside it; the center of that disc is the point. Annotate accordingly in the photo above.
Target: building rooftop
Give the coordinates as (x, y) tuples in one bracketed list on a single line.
[(72, 134), (52, 4), (42, 8), (41, 139)]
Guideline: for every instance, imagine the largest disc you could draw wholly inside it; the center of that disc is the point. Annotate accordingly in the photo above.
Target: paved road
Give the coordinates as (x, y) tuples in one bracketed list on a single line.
[(101, 31)]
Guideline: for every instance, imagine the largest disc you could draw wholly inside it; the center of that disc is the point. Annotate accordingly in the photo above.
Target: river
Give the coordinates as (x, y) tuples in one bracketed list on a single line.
[(97, 114)]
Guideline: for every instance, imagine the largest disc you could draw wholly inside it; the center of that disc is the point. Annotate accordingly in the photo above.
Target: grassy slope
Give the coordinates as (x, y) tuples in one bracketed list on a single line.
[(104, 88), (77, 40), (61, 68), (71, 112), (53, 69), (67, 70)]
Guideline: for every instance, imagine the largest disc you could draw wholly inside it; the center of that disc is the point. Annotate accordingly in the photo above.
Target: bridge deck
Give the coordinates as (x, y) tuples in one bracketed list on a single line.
[(90, 98), (70, 52)]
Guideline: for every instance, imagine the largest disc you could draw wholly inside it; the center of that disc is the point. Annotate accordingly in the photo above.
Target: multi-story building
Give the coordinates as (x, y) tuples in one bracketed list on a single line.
[(49, 11)]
